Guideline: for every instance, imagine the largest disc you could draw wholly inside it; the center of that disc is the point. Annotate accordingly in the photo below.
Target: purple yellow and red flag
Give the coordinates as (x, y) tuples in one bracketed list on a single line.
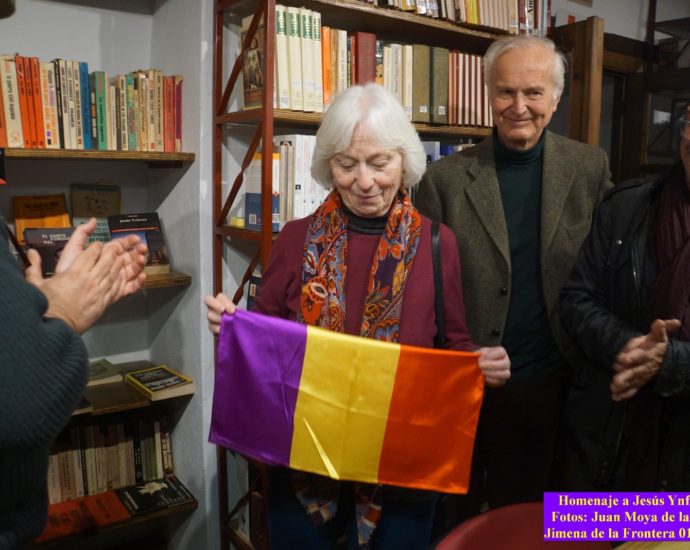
[(346, 407)]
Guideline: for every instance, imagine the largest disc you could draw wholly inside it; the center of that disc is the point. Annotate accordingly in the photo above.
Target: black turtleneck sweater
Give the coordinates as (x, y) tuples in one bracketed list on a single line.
[(527, 336)]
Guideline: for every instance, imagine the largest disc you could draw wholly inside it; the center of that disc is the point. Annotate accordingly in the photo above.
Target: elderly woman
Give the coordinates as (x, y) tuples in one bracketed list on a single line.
[(628, 412), (361, 264)]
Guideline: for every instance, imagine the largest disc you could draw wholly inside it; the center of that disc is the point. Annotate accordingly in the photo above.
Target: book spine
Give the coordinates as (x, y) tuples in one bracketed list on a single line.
[(295, 57), (365, 55), (78, 117), (131, 112), (141, 86), (317, 61), (60, 101), (159, 110), (71, 126), (326, 67), (178, 82), (49, 101), (36, 101), (3, 123), (86, 110), (26, 118), (98, 80), (113, 118), (8, 73), (282, 83), (169, 114)]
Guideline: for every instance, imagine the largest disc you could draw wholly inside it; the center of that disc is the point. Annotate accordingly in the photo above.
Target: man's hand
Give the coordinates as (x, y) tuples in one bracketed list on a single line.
[(88, 281), (640, 359), (495, 365)]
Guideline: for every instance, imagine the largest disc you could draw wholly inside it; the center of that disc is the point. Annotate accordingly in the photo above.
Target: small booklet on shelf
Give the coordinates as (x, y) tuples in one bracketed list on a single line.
[(95, 200), (160, 382), (151, 496), (147, 226), (82, 514), (48, 242), (103, 372), (39, 211)]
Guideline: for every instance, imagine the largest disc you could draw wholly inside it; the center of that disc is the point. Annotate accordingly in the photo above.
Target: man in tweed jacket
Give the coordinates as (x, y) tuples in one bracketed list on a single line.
[(520, 204)]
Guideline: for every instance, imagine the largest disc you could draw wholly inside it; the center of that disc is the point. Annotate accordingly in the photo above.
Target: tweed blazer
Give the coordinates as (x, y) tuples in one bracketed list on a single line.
[(462, 191)]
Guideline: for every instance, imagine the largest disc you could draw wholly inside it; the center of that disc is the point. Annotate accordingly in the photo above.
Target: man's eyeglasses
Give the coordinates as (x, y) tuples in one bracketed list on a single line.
[(18, 248)]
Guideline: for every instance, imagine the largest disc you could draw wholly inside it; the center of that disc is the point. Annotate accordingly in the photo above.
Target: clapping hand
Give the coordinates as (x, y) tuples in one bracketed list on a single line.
[(640, 359)]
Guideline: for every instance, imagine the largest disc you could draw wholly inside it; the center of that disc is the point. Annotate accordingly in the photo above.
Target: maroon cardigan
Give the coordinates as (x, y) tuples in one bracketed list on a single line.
[(279, 294)]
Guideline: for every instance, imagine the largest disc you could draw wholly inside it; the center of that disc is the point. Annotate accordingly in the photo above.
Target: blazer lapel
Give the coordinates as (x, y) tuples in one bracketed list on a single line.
[(557, 179), (485, 196)]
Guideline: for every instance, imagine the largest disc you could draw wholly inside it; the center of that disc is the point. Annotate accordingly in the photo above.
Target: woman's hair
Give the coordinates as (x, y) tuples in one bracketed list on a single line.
[(380, 116), (499, 47)]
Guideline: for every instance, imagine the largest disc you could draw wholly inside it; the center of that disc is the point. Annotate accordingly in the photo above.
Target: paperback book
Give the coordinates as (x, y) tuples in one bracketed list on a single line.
[(95, 200), (39, 211), (151, 496), (103, 372), (147, 226), (160, 382), (48, 242)]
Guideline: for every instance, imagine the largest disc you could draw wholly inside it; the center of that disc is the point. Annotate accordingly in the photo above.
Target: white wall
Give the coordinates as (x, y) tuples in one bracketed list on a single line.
[(622, 17), (168, 325)]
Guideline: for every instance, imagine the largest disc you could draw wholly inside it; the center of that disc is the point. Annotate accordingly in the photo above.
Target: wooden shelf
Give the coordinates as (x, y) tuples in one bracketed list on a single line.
[(241, 233), (299, 119), (153, 159), (390, 23), (121, 530), (675, 27), (174, 278)]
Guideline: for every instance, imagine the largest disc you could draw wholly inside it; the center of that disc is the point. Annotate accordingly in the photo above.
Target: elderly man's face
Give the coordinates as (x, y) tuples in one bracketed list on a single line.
[(522, 96)]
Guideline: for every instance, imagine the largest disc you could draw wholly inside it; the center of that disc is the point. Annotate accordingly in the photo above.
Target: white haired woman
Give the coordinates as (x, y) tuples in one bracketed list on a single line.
[(361, 264)]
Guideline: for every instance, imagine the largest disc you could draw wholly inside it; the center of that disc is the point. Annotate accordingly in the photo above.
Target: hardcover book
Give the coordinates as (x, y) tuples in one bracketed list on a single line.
[(160, 382), (39, 211), (150, 496), (48, 242), (147, 226), (83, 514), (253, 65)]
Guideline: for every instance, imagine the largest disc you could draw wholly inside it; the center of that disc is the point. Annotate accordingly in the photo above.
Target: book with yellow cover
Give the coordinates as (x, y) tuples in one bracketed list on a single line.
[(160, 382), (39, 211)]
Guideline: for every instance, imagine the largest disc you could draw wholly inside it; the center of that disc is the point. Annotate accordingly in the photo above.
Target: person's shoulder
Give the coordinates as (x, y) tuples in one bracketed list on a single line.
[(451, 163), (446, 233), (572, 146), (626, 190), (293, 231)]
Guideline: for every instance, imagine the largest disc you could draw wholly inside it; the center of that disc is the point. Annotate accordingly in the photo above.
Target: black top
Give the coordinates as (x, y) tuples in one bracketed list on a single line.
[(527, 336)]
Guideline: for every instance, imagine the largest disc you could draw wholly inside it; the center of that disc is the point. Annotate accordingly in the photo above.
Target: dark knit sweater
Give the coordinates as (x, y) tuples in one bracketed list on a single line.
[(43, 369), (527, 335)]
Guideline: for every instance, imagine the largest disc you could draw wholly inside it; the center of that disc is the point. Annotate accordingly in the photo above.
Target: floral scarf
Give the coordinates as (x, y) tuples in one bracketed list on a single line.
[(322, 304)]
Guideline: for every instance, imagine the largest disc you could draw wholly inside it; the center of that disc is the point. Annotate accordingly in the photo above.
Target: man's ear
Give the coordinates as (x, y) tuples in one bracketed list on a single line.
[(6, 8)]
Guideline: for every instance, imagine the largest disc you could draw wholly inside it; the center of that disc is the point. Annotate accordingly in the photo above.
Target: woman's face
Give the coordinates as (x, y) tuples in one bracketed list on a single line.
[(367, 176)]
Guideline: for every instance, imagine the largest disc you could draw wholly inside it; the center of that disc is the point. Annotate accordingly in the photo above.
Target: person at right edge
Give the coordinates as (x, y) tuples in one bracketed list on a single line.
[(627, 304), (520, 204)]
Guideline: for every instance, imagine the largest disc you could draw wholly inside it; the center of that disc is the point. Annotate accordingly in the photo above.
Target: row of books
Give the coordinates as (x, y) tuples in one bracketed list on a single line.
[(91, 512), (60, 105), (314, 63), (295, 194), (91, 457), (524, 16), (43, 222)]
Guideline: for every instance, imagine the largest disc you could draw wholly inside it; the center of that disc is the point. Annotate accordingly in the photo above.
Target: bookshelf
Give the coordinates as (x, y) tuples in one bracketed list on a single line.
[(236, 136), (163, 322)]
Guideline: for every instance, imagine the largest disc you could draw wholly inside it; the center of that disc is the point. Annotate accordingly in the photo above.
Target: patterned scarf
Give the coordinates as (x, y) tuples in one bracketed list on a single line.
[(323, 304), (669, 294)]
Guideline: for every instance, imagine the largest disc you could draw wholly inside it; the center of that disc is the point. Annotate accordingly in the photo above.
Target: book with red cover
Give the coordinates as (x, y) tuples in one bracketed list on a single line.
[(365, 54), (83, 514), (35, 98), (3, 124)]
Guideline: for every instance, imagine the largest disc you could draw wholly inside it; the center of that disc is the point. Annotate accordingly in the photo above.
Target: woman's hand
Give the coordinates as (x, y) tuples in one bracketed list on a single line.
[(495, 365), (216, 307)]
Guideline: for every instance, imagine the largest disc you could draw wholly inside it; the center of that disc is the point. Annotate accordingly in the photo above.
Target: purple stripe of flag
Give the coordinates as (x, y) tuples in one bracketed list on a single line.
[(257, 379)]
